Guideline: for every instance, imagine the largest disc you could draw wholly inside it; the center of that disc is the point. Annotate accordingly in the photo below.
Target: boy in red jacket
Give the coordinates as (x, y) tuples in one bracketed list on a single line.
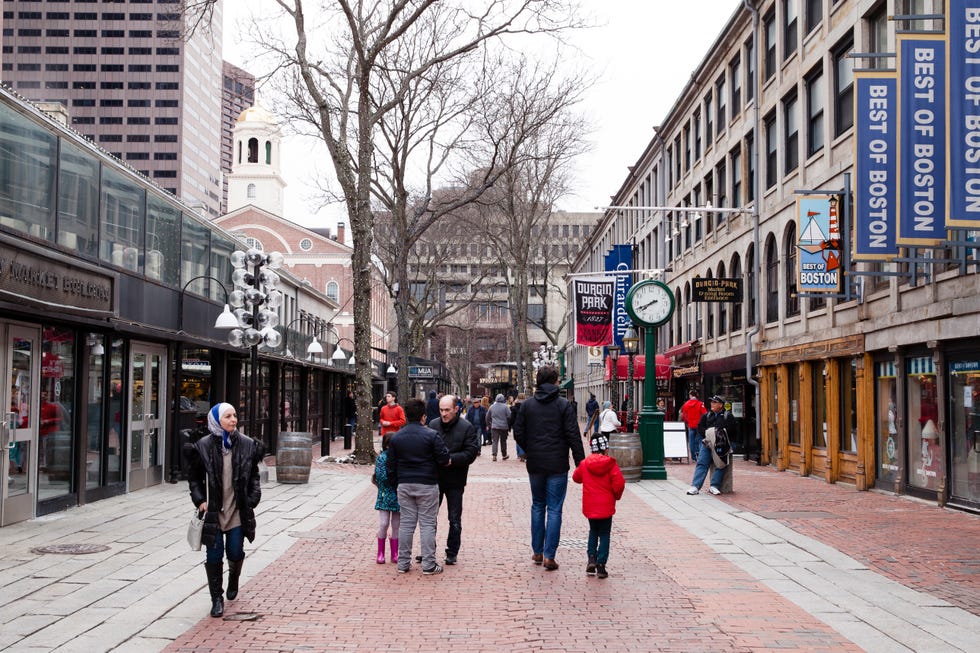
[(602, 486)]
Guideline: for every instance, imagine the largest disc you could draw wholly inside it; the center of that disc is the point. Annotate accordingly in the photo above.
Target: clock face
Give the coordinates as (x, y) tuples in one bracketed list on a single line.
[(650, 303)]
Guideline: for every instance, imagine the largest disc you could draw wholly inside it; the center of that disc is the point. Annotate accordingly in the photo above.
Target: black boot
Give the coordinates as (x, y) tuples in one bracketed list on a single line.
[(214, 571), (234, 571)]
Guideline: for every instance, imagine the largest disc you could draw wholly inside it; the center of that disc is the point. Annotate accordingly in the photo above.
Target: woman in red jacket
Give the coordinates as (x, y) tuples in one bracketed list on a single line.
[(602, 486)]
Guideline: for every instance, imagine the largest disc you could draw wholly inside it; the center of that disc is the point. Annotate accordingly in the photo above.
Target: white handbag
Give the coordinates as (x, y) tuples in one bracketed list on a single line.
[(194, 530)]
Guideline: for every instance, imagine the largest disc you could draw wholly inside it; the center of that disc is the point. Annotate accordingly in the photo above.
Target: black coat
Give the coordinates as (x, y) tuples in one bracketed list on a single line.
[(547, 429), (415, 455), (724, 420), (204, 465), (464, 446)]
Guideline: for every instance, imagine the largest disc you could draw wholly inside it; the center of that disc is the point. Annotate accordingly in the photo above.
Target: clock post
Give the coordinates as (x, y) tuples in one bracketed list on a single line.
[(651, 419)]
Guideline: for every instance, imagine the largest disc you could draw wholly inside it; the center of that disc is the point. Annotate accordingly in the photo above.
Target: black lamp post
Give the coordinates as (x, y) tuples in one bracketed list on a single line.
[(614, 378), (631, 345)]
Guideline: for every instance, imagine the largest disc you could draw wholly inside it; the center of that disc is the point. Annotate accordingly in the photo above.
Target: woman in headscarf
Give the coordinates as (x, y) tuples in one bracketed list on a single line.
[(224, 483)]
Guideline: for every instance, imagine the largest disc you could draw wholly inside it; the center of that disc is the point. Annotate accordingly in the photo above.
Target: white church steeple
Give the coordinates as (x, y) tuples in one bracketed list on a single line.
[(255, 170)]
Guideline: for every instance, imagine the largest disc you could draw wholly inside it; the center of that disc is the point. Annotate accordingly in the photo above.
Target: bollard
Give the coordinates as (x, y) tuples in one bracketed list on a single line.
[(348, 432), (325, 442)]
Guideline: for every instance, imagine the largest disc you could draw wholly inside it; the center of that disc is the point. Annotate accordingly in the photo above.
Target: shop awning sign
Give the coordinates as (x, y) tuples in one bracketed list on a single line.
[(716, 290)]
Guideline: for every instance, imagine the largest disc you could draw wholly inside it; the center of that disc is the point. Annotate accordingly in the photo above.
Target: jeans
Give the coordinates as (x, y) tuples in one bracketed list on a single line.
[(420, 506), (547, 499), (599, 530), (701, 470), (520, 452), (454, 505), (233, 540), (499, 435), (693, 442)]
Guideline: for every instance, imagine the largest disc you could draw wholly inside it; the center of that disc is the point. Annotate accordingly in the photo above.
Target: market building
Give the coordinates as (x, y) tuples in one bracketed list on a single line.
[(840, 361)]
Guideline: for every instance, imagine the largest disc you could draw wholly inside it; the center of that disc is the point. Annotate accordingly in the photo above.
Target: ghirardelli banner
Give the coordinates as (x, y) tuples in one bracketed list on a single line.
[(593, 310)]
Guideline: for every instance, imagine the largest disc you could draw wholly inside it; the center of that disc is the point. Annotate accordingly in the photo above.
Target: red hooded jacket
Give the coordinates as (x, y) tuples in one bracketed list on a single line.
[(602, 485), (691, 412)]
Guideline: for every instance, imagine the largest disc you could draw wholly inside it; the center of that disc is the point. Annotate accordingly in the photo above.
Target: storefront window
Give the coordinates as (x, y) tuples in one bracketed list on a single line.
[(964, 401), (886, 425), (55, 430), (122, 221), (78, 200), (114, 445), (162, 241), (195, 388), (925, 454), (820, 405), (794, 404), (94, 448), (848, 405), (290, 411)]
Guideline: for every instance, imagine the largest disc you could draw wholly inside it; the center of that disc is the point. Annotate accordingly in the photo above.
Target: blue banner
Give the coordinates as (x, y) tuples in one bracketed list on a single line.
[(875, 165), (819, 244), (922, 140), (963, 190), (620, 259)]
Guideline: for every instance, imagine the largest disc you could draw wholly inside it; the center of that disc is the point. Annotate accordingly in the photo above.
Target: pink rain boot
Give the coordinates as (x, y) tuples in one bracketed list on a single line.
[(394, 549), (381, 550)]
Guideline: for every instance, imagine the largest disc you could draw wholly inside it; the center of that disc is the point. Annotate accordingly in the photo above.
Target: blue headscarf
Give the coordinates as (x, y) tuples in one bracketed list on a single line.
[(214, 423)]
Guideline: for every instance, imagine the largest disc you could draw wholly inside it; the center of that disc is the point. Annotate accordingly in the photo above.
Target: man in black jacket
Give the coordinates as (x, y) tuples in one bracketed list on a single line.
[(719, 419), (547, 429), (460, 438), (414, 457)]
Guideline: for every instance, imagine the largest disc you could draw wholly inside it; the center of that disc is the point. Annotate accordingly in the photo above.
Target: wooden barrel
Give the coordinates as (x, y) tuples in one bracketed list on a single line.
[(626, 449), (294, 456)]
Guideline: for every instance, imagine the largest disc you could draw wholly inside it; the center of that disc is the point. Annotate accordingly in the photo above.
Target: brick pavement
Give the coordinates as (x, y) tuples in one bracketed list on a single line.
[(667, 590)]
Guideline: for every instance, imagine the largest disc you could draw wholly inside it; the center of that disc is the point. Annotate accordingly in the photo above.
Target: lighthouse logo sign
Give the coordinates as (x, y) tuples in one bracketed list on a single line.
[(819, 244)]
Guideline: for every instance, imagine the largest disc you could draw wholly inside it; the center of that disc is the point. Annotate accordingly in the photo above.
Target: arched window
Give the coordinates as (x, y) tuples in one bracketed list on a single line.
[(253, 243), (678, 313), (239, 151), (250, 191), (789, 246), (253, 150), (736, 272), (751, 285), (722, 306), (688, 314), (333, 291), (268, 153), (772, 280)]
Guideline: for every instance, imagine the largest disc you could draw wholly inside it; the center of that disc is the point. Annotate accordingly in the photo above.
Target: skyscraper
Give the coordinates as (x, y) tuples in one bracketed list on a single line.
[(131, 79), (237, 94)]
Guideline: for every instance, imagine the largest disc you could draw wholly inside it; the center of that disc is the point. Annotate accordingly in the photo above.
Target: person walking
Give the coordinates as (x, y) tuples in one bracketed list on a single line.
[(592, 411), (414, 457), (608, 422), (386, 504), (223, 478), (461, 441), (432, 407), (691, 412), (499, 418), (391, 417), (513, 417), (602, 486), (477, 416), (718, 419), (547, 430), (485, 403)]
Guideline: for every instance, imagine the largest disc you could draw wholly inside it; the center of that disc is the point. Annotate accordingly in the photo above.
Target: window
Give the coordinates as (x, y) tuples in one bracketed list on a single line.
[(749, 70), (814, 14), (333, 291), (687, 147), (789, 246), (736, 157), (27, 175), (736, 272), (696, 123), (791, 128), (815, 101), (722, 306), (769, 28), (720, 98), (750, 161), (708, 124), (772, 280), (250, 192), (789, 28), (735, 72), (306, 244), (123, 220), (162, 241), (751, 285), (843, 88), (878, 37), (722, 184)]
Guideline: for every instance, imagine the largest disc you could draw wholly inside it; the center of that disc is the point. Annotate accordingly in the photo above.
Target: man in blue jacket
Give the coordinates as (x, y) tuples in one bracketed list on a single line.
[(414, 457), (547, 429)]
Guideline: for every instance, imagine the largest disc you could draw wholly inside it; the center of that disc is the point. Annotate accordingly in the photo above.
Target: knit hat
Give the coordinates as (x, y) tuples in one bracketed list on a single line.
[(214, 423), (599, 443), (501, 398)]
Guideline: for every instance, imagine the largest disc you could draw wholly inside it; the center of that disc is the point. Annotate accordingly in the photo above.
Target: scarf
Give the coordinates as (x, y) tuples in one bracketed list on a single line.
[(214, 423)]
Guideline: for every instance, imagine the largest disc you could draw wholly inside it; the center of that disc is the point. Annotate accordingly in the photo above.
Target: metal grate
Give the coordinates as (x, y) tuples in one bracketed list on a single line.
[(70, 549)]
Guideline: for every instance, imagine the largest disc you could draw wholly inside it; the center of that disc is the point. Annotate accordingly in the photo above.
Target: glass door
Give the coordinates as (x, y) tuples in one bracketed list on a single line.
[(964, 434), (147, 417), (19, 426)]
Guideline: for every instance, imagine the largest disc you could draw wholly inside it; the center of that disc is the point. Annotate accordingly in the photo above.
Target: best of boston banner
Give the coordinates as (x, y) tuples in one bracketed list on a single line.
[(594, 310)]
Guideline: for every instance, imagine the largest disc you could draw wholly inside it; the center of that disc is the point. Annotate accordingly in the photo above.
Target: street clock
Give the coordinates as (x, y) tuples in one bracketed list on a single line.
[(650, 303)]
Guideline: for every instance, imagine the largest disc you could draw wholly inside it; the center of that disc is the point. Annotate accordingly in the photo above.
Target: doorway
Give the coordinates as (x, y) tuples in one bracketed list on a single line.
[(147, 414), (21, 362)]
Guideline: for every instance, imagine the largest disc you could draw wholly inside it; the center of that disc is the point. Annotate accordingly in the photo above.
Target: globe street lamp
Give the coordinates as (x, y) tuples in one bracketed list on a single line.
[(613, 351), (631, 345)]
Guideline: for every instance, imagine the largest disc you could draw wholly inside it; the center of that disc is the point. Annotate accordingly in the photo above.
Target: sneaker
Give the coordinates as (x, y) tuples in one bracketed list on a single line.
[(403, 571), (550, 564), (537, 558), (434, 570), (693, 490), (600, 571), (450, 560), (590, 568), (506, 457), (714, 490)]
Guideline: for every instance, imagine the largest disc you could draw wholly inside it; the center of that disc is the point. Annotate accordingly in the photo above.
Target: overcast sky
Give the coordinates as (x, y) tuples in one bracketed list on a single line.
[(642, 54)]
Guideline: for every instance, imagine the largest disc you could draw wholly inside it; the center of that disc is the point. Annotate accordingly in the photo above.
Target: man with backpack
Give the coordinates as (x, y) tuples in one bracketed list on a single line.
[(716, 427)]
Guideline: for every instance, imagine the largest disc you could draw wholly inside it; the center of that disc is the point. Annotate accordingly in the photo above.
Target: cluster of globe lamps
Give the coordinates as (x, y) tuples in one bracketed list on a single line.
[(255, 299)]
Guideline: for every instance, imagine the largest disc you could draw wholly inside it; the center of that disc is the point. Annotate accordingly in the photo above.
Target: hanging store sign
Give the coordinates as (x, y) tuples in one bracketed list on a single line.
[(818, 263), (716, 290), (620, 259), (963, 158), (921, 179), (875, 164), (594, 310), (45, 282)]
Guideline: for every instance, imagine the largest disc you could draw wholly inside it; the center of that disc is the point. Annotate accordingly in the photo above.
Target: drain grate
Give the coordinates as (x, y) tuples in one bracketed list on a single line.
[(242, 616), (70, 549), (574, 543)]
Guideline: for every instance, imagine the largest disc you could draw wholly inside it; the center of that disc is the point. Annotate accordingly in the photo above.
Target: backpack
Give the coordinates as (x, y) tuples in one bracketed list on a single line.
[(723, 446)]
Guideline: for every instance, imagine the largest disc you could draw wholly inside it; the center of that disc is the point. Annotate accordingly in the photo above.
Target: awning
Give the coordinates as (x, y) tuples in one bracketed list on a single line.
[(681, 349), (639, 367), (567, 384)]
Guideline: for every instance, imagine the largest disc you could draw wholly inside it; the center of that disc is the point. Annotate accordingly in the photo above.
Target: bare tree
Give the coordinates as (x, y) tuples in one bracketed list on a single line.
[(329, 62)]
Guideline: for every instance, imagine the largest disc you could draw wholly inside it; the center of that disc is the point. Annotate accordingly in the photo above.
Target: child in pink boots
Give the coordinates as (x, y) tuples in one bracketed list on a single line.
[(387, 503)]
